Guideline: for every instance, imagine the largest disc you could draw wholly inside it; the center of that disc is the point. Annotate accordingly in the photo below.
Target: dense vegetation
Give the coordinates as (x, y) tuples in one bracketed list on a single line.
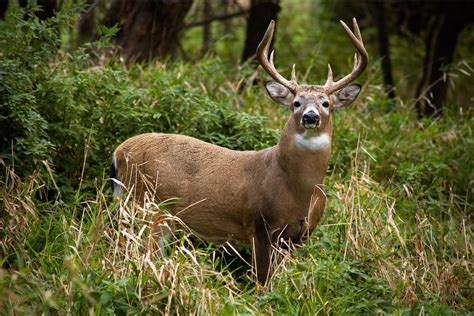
[(396, 236)]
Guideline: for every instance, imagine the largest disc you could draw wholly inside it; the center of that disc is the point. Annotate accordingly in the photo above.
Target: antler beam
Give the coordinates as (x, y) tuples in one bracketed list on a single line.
[(262, 55), (361, 59)]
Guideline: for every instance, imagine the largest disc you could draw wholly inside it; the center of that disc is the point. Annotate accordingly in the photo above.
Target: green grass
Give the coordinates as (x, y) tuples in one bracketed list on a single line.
[(394, 242)]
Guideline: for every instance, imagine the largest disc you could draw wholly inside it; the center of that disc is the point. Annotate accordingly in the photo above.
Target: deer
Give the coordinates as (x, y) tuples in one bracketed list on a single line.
[(251, 198)]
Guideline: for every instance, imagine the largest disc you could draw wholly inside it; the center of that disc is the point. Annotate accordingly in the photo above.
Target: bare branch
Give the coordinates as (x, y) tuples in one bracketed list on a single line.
[(221, 17)]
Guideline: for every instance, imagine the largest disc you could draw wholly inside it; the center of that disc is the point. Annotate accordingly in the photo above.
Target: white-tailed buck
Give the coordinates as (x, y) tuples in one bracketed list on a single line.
[(254, 198)]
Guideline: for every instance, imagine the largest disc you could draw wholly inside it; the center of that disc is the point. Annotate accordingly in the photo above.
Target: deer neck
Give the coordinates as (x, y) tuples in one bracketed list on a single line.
[(304, 154)]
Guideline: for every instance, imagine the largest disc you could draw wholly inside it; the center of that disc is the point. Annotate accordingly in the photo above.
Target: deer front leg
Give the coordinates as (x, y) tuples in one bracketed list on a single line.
[(262, 252)]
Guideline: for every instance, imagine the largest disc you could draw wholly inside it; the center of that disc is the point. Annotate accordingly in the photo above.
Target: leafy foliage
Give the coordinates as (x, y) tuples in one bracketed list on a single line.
[(61, 109)]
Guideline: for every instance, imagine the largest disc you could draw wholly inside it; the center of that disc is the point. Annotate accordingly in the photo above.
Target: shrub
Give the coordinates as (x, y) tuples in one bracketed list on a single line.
[(56, 106)]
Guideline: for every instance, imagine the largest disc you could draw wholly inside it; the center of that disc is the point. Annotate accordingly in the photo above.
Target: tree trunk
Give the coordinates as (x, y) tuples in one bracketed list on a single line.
[(261, 13), (454, 18), (378, 13), (206, 28), (444, 49), (226, 5), (148, 29), (3, 9), (86, 28), (419, 93)]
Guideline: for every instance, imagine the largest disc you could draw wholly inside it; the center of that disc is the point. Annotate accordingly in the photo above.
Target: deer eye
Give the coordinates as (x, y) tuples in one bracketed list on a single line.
[(326, 104), (296, 104)]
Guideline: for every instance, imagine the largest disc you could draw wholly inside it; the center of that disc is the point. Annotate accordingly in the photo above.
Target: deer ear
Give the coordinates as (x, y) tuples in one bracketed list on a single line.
[(347, 95), (278, 92)]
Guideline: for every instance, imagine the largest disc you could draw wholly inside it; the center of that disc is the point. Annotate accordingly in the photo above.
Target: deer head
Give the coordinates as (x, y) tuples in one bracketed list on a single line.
[(311, 105)]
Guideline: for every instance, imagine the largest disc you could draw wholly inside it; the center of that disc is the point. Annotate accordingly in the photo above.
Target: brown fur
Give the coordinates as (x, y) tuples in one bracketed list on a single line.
[(235, 194)]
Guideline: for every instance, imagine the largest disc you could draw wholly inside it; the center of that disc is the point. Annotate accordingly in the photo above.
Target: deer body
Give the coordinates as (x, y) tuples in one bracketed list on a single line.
[(255, 198), (234, 194)]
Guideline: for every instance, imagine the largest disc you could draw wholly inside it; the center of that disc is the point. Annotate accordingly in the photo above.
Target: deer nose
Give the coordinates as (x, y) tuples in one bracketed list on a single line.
[(311, 118)]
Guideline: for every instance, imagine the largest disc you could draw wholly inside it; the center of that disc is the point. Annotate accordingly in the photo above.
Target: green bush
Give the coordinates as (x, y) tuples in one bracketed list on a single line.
[(55, 106)]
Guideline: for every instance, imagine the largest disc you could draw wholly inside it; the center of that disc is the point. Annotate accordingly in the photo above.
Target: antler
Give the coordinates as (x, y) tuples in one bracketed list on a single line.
[(361, 60), (262, 55)]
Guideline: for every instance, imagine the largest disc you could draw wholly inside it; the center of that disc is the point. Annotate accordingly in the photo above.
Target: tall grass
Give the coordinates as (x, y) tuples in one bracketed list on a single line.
[(382, 245)]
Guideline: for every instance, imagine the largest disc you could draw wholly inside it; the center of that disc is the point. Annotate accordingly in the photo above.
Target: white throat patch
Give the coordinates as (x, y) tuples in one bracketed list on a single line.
[(312, 142)]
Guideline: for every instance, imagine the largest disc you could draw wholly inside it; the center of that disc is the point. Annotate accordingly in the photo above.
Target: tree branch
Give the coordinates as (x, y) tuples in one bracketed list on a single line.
[(222, 17)]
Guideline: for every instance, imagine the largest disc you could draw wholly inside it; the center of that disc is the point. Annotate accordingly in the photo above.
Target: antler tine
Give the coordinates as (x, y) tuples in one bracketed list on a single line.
[(271, 58), (361, 59), (329, 81), (262, 55), (293, 73), (357, 30)]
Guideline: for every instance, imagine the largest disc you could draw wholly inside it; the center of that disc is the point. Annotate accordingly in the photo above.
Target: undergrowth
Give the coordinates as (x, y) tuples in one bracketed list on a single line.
[(61, 108), (396, 236), (380, 247)]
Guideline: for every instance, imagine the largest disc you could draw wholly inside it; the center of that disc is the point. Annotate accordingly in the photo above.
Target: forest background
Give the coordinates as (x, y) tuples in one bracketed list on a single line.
[(78, 78)]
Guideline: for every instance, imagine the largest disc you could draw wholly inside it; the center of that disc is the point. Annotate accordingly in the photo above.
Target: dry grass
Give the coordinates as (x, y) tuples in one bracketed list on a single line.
[(431, 259), (18, 210)]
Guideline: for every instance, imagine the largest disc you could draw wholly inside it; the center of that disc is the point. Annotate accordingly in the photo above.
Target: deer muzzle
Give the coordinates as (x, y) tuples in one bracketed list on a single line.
[(311, 119)]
